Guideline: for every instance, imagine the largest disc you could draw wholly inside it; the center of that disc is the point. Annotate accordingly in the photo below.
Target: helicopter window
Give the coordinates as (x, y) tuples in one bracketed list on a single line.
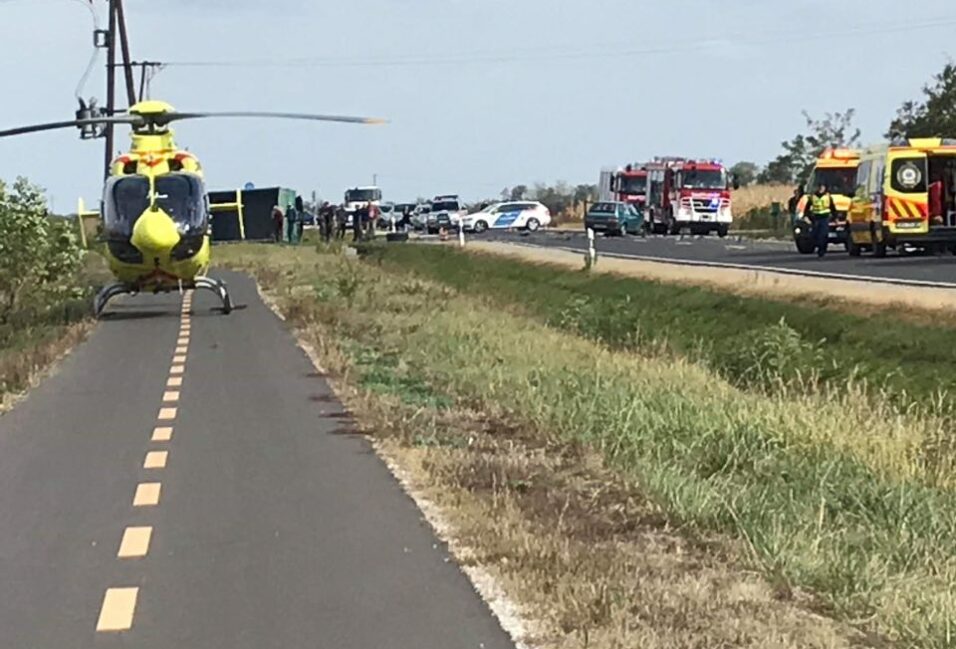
[(125, 199), (182, 197)]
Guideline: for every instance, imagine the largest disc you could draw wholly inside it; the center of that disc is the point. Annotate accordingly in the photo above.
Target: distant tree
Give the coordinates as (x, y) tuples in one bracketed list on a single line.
[(935, 115), (39, 255), (746, 172), (800, 153), (518, 192), (584, 193), (778, 170), (557, 199)]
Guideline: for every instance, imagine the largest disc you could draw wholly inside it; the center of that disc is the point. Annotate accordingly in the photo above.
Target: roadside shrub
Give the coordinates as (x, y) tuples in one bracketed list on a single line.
[(614, 323), (772, 357), (39, 255)]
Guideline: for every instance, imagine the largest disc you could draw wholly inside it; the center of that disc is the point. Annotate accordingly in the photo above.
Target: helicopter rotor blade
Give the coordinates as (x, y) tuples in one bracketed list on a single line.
[(172, 117), (52, 126)]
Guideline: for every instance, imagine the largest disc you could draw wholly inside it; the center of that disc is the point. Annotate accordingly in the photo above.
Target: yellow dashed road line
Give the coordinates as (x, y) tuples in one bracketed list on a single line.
[(116, 613), (135, 542), (119, 604), (147, 494), (155, 460)]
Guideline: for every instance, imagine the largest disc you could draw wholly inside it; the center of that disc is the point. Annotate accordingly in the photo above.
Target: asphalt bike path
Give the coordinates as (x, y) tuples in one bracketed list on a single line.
[(187, 479)]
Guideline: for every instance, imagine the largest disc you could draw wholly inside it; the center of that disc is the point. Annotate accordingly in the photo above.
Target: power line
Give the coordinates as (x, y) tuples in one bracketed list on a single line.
[(544, 56), (96, 51)]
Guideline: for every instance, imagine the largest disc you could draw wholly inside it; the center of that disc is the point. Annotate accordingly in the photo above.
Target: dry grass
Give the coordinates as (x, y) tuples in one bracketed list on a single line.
[(592, 560), (919, 306), (760, 196), (22, 368)]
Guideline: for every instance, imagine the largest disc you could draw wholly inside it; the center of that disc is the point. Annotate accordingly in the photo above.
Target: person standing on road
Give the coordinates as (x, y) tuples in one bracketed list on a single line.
[(359, 218), (291, 219), (341, 221), (373, 214), (794, 201), (820, 209), (277, 224), (300, 220), (327, 220)]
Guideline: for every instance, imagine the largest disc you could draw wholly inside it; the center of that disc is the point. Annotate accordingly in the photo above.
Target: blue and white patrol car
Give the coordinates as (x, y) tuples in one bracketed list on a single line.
[(517, 215)]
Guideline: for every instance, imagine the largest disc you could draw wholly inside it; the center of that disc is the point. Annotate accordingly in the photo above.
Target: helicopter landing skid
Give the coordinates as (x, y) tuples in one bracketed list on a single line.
[(107, 293), (110, 291), (218, 287)]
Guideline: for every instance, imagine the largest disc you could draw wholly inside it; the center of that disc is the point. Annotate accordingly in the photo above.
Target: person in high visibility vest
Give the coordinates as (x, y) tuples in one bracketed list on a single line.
[(820, 209)]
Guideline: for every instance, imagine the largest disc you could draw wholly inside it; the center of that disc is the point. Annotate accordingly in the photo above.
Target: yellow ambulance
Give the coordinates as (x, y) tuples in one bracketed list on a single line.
[(904, 197), (835, 168)]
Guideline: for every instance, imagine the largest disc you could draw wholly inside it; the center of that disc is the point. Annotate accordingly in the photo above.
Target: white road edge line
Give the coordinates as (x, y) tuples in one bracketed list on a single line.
[(872, 279)]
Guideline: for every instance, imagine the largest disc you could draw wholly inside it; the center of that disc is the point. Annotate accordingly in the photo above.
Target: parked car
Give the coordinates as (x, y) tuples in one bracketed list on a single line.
[(612, 217), (445, 212), (419, 216), (403, 213), (387, 215), (519, 215)]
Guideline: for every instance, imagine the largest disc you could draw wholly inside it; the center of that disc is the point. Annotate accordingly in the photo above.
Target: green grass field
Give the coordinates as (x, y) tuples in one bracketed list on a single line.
[(913, 362)]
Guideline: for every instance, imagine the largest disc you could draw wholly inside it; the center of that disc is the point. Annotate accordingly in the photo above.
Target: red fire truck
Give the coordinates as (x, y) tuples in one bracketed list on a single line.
[(627, 185), (688, 194)]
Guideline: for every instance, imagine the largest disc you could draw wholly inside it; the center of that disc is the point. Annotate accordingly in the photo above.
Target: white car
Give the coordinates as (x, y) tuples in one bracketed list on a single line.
[(446, 211), (518, 215), (419, 217), (388, 215)]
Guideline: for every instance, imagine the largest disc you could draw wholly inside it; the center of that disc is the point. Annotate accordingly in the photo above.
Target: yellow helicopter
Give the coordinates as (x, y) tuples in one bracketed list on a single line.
[(155, 208)]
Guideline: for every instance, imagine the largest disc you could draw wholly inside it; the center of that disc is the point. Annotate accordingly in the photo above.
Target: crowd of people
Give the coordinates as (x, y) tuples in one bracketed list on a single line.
[(332, 220)]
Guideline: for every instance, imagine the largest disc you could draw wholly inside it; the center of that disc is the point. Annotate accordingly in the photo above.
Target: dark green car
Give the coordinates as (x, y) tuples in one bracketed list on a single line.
[(614, 218)]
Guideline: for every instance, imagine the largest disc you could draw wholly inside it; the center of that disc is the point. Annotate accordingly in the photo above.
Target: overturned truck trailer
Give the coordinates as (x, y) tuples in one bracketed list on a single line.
[(246, 214)]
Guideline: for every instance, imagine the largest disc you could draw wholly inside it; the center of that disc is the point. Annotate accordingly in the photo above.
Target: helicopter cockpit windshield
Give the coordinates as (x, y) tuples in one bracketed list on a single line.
[(180, 195), (183, 198), (125, 198)]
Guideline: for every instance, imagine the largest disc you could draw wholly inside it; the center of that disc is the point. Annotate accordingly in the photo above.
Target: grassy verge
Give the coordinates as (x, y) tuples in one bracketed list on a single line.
[(737, 336), (819, 489), (35, 336)]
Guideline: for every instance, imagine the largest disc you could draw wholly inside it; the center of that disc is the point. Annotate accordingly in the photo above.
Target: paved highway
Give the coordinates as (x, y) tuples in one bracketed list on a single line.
[(185, 480), (771, 255)]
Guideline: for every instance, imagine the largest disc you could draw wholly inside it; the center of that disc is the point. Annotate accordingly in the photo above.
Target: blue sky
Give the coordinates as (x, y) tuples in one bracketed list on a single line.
[(481, 94)]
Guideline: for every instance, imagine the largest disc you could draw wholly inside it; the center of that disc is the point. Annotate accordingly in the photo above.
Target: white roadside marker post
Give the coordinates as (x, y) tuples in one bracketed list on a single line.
[(592, 253), (461, 234)]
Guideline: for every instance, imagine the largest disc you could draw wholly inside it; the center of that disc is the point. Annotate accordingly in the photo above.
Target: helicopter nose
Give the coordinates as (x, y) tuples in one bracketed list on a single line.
[(154, 233)]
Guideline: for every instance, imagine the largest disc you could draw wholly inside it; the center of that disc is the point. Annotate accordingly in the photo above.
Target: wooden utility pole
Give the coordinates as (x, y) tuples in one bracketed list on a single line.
[(117, 28)]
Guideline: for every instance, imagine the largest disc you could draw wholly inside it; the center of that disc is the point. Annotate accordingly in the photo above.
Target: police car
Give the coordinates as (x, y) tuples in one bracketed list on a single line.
[(518, 215)]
